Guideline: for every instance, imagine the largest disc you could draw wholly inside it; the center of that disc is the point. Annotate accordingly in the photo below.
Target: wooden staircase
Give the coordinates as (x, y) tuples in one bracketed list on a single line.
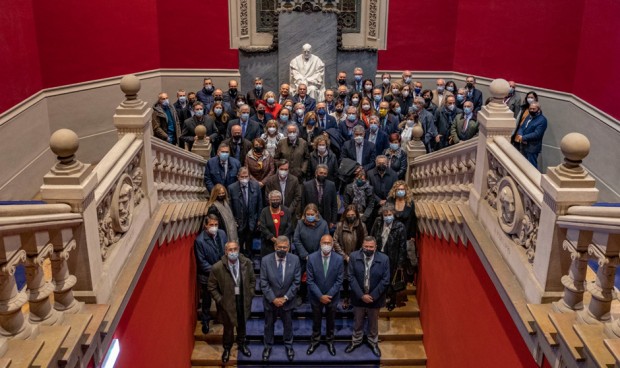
[(400, 335)]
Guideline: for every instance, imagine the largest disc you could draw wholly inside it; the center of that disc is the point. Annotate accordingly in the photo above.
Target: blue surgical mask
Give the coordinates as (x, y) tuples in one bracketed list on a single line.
[(310, 218), (386, 81), (233, 256), (414, 108), (388, 219), (358, 78), (224, 156), (460, 98), (217, 111), (400, 193), (299, 112), (450, 89), (166, 102), (417, 90), (271, 100), (321, 112), (440, 88), (258, 87), (397, 110), (351, 117), (284, 118), (311, 122), (199, 112), (377, 98), (182, 99), (245, 116), (394, 146), (374, 127), (407, 80), (209, 88), (467, 110)]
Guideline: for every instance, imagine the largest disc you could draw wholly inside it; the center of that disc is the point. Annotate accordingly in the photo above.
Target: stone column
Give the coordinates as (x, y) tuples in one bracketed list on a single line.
[(602, 290), (12, 321), (134, 116), (74, 183), (563, 186), (495, 119), (576, 244), (63, 280), (41, 310), (415, 148)]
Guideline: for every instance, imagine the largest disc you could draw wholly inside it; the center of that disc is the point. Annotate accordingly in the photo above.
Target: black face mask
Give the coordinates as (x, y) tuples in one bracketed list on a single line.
[(381, 168), (368, 252), (343, 95), (350, 219), (232, 91), (342, 81), (281, 253), (260, 112), (221, 197), (321, 178), (275, 204), (428, 100), (218, 99), (339, 110), (237, 137), (470, 85), (258, 149)]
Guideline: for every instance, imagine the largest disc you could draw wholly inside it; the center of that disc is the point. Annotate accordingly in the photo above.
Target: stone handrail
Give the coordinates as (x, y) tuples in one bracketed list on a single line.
[(178, 174)]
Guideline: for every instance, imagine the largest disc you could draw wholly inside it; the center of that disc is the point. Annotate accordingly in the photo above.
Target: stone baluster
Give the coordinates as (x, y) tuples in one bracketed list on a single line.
[(576, 243), (12, 320), (63, 280), (41, 309), (602, 290), (415, 148), (563, 186)]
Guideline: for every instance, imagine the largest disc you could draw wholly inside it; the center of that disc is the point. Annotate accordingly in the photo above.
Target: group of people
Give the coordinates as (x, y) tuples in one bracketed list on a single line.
[(321, 184)]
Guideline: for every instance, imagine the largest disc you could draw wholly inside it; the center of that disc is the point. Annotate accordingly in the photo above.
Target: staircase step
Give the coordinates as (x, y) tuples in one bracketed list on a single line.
[(394, 353), (22, 353), (52, 337), (392, 329), (71, 349)]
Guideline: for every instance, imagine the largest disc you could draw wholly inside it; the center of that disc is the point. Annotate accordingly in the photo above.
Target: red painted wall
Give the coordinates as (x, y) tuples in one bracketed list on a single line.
[(464, 320), (194, 34), (157, 327), (20, 71), (420, 35), (598, 74)]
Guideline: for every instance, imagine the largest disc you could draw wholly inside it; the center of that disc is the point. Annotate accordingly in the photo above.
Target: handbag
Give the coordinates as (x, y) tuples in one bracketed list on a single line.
[(398, 282)]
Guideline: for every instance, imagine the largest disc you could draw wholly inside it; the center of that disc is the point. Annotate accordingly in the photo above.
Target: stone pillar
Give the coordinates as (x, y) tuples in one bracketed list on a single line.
[(74, 183), (202, 146), (495, 119), (12, 321), (41, 310), (602, 290), (63, 280), (563, 186), (415, 148), (134, 116), (576, 244)]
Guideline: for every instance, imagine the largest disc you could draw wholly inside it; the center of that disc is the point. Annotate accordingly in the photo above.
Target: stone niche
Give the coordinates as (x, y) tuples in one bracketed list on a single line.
[(319, 29)]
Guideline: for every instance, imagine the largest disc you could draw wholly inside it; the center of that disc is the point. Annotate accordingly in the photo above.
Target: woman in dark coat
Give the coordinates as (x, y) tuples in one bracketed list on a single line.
[(274, 220), (394, 245)]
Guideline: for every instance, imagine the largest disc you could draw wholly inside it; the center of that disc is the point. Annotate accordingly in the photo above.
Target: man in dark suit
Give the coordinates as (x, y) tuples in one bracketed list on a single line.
[(280, 275), (382, 178), (465, 125), (221, 169), (325, 271), (360, 150), (388, 123), (302, 97), (473, 94), (232, 283), (369, 274), (184, 110), (530, 134), (256, 93), (376, 135), (205, 95), (208, 249), (250, 129), (287, 184), (325, 121), (188, 135), (322, 192), (246, 203), (239, 146)]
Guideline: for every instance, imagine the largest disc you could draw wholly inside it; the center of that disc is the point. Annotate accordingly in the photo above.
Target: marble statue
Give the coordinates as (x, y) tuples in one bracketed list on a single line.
[(308, 69)]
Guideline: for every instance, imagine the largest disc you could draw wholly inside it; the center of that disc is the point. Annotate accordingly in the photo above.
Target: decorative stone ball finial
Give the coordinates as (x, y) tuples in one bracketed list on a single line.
[(130, 85), (417, 131), (499, 88), (200, 131), (575, 147), (64, 143)]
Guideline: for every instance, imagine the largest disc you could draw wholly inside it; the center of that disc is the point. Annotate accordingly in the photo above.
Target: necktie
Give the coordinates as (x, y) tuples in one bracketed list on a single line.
[(367, 275), (319, 189), (325, 265), (465, 125), (280, 269), (243, 125), (323, 123), (245, 195)]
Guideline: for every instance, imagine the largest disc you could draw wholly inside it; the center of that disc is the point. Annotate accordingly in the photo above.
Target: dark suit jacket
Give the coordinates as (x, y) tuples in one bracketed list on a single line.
[(208, 251), (381, 185), (332, 165), (246, 216), (319, 283), (291, 197), (254, 95), (532, 133), (272, 284), (330, 122), (344, 130), (379, 279), (381, 142), (476, 99), (189, 130), (244, 148), (251, 131), (389, 124), (267, 228), (214, 172), (309, 102), (368, 153), (328, 207)]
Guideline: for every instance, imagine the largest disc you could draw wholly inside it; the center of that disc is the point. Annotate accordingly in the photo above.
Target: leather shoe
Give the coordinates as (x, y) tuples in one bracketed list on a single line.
[(205, 328), (225, 356), (290, 353), (331, 349), (244, 350), (312, 347), (375, 349), (266, 354), (351, 347)]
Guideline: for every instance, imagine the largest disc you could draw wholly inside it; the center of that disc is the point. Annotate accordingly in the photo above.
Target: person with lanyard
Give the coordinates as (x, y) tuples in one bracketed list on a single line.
[(465, 126), (208, 249), (325, 272), (231, 284), (280, 276), (369, 272)]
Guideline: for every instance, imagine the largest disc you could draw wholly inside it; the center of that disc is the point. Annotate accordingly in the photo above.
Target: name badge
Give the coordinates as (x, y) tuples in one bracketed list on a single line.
[(237, 292)]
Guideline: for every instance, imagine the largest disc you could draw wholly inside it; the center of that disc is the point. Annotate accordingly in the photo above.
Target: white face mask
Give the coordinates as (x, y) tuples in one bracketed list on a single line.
[(321, 149), (405, 93), (326, 248), (244, 181), (410, 123), (530, 100), (212, 230), (292, 136), (271, 130)]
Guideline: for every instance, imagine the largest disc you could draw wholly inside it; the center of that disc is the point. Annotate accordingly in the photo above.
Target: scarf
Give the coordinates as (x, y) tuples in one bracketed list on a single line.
[(229, 219), (359, 196)]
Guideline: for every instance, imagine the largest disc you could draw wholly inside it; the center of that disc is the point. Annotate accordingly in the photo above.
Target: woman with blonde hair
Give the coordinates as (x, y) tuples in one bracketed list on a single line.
[(219, 205), (310, 128), (401, 198), (273, 107), (272, 136), (259, 161)]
